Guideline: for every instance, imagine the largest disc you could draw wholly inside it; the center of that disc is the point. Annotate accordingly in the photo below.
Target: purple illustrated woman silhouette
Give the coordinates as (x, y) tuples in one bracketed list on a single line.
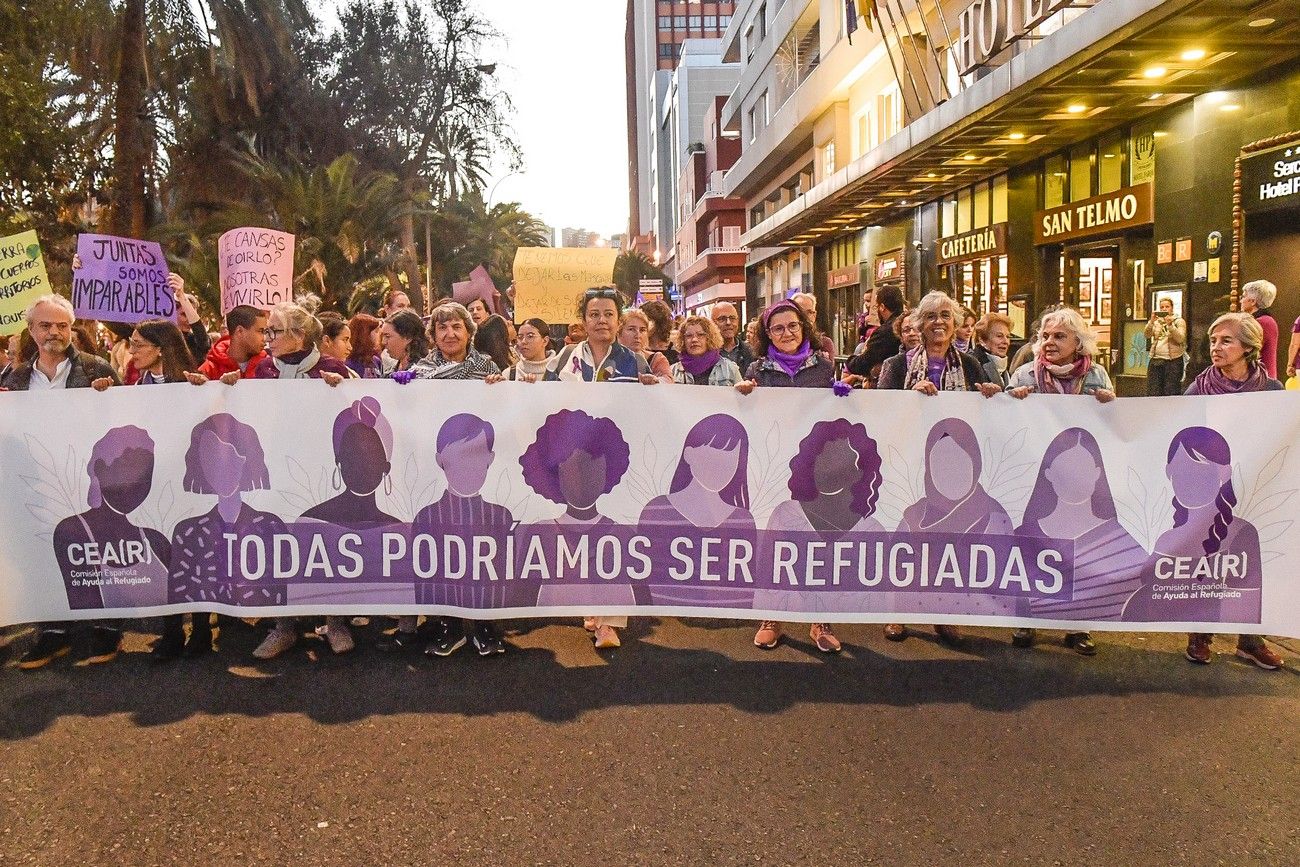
[(575, 460), (834, 484), (225, 459), (465, 455), (709, 490), (107, 561), (1072, 500), (363, 448), (954, 502), (1207, 566)]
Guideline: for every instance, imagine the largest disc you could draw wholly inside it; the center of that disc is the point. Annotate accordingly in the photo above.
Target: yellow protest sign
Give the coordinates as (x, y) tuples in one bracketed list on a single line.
[(550, 280), (22, 279)]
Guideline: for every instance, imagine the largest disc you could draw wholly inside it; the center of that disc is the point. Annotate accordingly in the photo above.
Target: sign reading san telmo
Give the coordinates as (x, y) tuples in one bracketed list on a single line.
[(988, 26), (1271, 181), (989, 241), (1112, 212)]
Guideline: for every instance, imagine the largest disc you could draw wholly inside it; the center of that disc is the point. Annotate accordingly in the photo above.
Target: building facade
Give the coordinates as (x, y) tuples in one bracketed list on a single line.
[(1103, 154), (656, 33)]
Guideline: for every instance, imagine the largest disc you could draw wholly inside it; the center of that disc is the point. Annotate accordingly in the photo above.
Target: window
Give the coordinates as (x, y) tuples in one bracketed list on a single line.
[(724, 21), (767, 108), (665, 22), (710, 22), (679, 21), (730, 237), (665, 49), (693, 22), (981, 205), (753, 124), (828, 159), (761, 21), (1110, 163), (890, 114), (1081, 172)]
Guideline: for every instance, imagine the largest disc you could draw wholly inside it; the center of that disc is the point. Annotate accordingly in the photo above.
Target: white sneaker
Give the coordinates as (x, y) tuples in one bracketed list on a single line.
[(277, 641)]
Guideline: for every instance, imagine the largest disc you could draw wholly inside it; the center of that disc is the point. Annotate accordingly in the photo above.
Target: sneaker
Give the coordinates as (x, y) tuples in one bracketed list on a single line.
[(170, 646), (825, 640), (895, 631), (1023, 637), (486, 641), (104, 646), (338, 635), (1198, 648), (606, 637), (393, 642), (451, 638), (1081, 643), (949, 635), (768, 635), (50, 645), (1260, 654), (277, 641)]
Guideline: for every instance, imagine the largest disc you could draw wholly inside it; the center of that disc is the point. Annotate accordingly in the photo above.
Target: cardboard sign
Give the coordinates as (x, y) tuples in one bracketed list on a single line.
[(121, 280), (549, 281), (22, 279), (256, 268)]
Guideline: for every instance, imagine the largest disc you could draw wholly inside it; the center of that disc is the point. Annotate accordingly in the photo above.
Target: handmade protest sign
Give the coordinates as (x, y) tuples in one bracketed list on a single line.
[(121, 280), (256, 268), (550, 280), (464, 499), (22, 279)]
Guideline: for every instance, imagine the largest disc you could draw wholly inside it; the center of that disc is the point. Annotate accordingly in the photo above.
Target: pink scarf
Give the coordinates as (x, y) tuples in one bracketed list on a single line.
[(1061, 378)]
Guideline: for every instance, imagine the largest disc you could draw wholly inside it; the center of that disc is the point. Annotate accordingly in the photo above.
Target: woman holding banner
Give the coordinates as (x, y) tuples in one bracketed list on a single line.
[(1063, 360), (292, 341), (634, 333), (782, 344), (364, 331), (534, 346), (700, 360), (405, 341)]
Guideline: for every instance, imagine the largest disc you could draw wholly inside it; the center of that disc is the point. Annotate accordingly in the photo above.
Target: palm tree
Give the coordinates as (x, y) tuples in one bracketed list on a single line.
[(470, 233), (630, 268)]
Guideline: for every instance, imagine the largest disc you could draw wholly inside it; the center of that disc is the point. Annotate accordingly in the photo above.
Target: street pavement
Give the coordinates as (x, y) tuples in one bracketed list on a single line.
[(686, 746)]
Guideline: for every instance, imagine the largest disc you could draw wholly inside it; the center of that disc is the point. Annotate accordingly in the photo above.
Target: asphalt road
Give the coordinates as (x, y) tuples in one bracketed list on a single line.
[(686, 746)]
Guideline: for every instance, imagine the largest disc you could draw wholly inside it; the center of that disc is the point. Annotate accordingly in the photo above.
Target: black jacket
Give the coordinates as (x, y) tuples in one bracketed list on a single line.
[(881, 345), (894, 372), (85, 370)]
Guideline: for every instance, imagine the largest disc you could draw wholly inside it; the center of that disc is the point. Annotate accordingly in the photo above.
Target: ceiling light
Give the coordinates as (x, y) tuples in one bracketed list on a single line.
[(1077, 108), (1192, 55), (1154, 72), (1155, 96), (1216, 96), (1159, 133), (968, 156), (931, 175), (1015, 136), (1229, 106), (1108, 156), (1262, 22)]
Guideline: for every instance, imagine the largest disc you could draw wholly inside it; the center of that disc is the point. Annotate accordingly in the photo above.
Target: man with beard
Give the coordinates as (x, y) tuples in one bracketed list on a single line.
[(58, 365)]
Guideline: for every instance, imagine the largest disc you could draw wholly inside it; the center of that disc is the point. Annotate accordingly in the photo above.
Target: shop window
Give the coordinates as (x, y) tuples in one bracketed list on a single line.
[(1000, 201), (963, 210), (1110, 164), (948, 217), (1054, 178), (1081, 172), (983, 208)]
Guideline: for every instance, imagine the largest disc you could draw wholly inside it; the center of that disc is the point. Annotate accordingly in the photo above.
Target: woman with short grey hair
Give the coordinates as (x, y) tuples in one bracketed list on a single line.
[(1063, 360), (453, 356), (1257, 299)]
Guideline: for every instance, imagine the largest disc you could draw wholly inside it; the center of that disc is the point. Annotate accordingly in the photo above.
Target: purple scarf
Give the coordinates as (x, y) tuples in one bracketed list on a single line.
[(791, 364), (699, 365), (1214, 381)]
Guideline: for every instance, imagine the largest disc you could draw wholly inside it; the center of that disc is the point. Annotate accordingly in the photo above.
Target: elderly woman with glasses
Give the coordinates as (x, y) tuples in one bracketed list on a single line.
[(700, 360), (1063, 360)]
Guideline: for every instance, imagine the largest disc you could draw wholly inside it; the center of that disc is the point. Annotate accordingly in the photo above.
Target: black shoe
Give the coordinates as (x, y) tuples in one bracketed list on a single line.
[(170, 646), (446, 644), (487, 642), (105, 643), (50, 645), (200, 641), (397, 641), (1081, 643), (1023, 637)]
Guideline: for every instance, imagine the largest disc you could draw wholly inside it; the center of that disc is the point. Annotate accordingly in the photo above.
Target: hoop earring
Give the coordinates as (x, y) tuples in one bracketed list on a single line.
[(337, 481), (388, 485)]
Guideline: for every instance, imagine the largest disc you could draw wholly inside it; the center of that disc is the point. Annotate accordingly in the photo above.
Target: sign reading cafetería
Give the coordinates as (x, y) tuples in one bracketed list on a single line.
[(988, 26), (979, 244), (1270, 181), (1106, 214)]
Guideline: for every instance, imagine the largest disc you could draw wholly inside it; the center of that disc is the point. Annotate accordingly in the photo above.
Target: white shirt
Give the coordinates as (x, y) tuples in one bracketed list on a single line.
[(41, 382)]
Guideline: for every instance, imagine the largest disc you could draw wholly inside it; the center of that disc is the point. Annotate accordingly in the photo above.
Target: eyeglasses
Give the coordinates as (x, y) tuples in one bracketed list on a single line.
[(601, 293), (726, 319), (273, 333), (790, 328), (133, 345)]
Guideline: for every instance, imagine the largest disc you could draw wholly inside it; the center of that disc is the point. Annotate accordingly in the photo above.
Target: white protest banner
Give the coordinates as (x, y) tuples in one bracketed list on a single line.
[(549, 281), (513, 500), (256, 268)]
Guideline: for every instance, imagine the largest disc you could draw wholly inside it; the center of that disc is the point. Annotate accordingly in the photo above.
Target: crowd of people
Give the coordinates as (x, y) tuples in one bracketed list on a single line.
[(935, 347)]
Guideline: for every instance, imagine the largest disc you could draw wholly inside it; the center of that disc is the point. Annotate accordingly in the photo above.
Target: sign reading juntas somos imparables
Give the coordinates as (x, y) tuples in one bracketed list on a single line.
[(22, 279), (121, 280), (1270, 181), (462, 498)]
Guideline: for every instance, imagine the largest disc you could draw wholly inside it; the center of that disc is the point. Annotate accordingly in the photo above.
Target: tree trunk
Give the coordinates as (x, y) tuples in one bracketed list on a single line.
[(410, 258), (130, 150)]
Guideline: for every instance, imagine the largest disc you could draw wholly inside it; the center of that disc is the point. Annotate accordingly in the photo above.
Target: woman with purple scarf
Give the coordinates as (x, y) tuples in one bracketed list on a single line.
[(700, 360), (782, 345), (1235, 368), (1063, 361)]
